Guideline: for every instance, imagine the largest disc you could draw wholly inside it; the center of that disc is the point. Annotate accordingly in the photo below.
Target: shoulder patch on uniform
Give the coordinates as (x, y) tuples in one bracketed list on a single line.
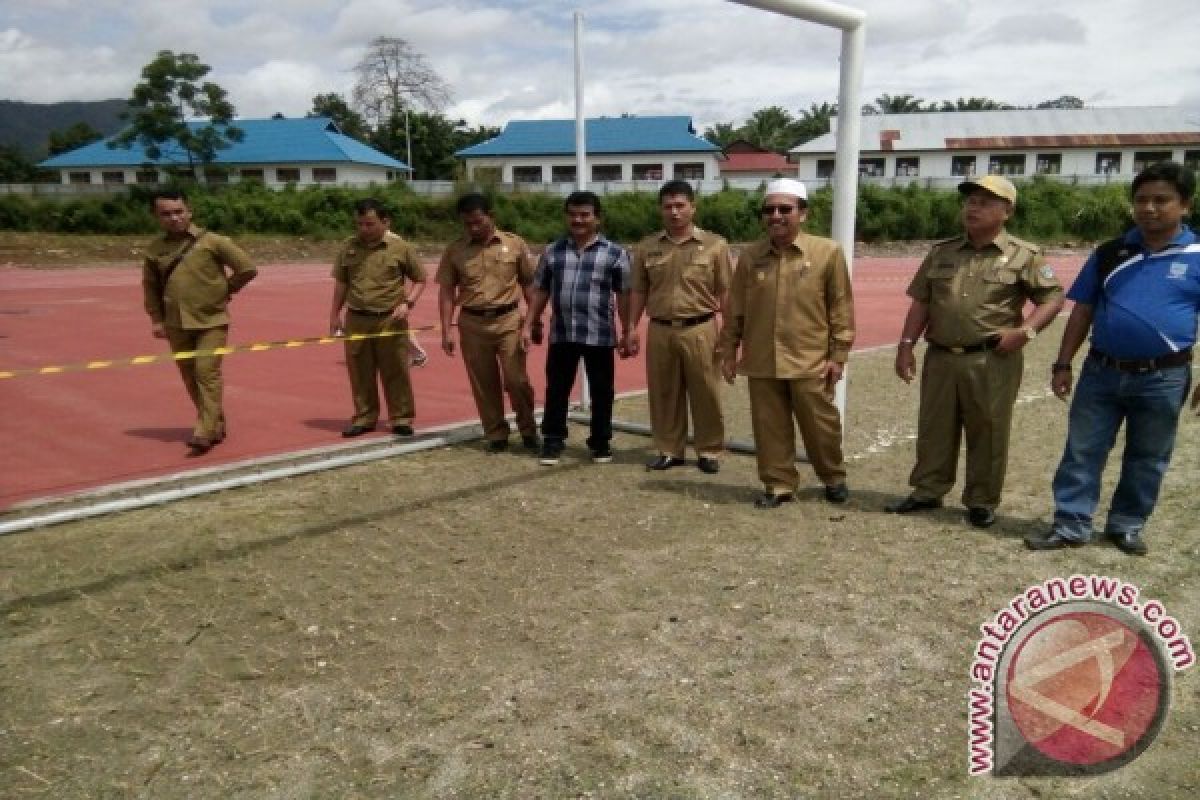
[(1030, 246)]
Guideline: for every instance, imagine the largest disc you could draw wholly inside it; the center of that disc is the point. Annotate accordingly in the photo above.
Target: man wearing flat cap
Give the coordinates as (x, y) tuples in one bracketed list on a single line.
[(968, 299), (792, 316)]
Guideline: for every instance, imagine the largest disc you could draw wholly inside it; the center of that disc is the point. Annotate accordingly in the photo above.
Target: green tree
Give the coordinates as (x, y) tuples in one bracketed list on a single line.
[(1066, 101), (722, 134), (973, 104), (435, 140), (169, 96), (814, 121), (334, 106), (15, 166), (74, 137), (895, 104), (771, 128)]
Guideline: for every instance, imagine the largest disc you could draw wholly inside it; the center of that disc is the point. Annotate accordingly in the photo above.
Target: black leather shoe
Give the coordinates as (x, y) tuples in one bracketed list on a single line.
[(1129, 543), (402, 430), (708, 465), (769, 500), (497, 445), (911, 504), (530, 441), (1051, 541), (356, 430), (837, 494), (981, 516), (665, 462)]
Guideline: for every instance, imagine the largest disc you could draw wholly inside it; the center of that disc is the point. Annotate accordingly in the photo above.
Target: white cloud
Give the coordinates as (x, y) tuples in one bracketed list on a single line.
[(715, 60)]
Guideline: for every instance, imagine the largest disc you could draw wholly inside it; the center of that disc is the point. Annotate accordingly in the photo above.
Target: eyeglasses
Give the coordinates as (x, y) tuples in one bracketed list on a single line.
[(784, 210)]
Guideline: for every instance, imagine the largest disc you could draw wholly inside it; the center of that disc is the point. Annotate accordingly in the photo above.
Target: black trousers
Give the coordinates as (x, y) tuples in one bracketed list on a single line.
[(562, 361)]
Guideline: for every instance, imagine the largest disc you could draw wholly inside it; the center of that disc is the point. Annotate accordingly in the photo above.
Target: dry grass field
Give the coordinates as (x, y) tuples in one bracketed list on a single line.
[(454, 624)]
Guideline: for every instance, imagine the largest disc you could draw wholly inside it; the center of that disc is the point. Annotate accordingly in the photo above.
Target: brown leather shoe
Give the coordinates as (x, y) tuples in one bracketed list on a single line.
[(199, 445)]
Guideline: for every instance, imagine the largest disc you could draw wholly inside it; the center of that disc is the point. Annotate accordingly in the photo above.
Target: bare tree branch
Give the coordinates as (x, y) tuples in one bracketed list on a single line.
[(392, 76)]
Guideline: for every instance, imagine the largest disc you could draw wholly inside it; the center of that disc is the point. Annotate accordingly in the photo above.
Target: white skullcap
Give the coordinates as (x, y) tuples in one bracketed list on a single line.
[(788, 186)]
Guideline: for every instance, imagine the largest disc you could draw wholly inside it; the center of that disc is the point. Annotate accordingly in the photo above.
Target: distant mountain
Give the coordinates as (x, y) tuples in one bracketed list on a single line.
[(28, 125)]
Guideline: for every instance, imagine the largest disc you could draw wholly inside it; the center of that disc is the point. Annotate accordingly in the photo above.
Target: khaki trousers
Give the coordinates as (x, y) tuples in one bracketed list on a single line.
[(972, 393), (495, 362), (387, 358), (682, 370), (773, 405), (202, 376)]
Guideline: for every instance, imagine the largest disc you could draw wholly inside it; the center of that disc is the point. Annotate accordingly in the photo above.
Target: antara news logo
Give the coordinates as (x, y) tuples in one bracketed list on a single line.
[(1072, 677)]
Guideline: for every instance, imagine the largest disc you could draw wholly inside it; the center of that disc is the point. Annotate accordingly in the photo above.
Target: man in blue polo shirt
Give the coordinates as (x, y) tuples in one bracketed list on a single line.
[(579, 275), (1139, 295)]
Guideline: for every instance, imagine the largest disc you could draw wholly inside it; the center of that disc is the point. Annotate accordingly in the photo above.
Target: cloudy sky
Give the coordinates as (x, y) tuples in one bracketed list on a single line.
[(713, 60)]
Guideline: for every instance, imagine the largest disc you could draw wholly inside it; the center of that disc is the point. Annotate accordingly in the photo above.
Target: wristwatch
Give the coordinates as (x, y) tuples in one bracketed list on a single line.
[(1030, 332)]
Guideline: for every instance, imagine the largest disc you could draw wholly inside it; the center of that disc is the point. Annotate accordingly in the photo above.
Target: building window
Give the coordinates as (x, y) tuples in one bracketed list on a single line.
[(487, 174), (252, 174), (1191, 159), (79, 177), (691, 171), (825, 167), (1007, 165), (1049, 164), (1143, 160), (325, 174), (1108, 163), (527, 174), (112, 177), (562, 174), (962, 166), (146, 176), (647, 172), (216, 176), (606, 172), (287, 174), (908, 166), (871, 167)]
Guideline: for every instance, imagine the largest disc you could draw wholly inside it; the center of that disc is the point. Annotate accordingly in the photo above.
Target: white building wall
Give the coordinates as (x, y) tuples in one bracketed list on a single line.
[(510, 165), (346, 174)]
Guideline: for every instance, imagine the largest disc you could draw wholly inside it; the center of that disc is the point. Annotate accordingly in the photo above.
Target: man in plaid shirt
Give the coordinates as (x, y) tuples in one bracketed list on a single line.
[(578, 275)]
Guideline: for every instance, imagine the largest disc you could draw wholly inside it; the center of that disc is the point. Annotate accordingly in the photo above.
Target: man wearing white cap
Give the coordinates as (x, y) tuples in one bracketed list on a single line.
[(969, 298), (792, 315)]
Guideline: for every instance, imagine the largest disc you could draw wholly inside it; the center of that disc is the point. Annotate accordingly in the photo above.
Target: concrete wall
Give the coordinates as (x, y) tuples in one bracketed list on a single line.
[(344, 175), (513, 166)]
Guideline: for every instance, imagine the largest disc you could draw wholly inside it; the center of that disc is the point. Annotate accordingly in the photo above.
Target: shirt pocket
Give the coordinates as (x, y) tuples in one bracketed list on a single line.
[(658, 270)]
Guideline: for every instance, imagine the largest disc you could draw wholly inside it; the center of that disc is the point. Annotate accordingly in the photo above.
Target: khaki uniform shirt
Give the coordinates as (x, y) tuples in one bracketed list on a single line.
[(198, 290), (374, 274), (792, 309), (487, 275), (972, 294), (684, 280)]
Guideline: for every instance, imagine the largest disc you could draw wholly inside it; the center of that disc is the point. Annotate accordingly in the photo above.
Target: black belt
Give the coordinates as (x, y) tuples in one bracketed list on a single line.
[(684, 323), (1143, 364), (376, 314), (493, 312), (987, 344)]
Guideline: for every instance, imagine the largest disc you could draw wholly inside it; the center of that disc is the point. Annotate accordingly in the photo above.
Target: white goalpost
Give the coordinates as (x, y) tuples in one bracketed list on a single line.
[(852, 23)]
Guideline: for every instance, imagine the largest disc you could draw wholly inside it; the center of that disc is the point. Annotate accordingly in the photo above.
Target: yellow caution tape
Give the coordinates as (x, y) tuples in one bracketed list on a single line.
[(187, 355)]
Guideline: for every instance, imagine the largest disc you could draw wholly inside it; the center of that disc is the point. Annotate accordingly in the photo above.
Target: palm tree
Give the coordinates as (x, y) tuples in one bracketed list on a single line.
[(771, 128), (974, 104), (814, 122), (898, 104)]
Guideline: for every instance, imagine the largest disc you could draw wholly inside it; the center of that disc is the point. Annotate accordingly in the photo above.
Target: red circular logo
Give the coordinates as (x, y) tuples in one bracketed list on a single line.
[(1086, 689)]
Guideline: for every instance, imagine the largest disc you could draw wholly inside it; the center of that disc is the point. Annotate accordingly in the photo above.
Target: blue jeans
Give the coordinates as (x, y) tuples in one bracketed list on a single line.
[(1149, 404)]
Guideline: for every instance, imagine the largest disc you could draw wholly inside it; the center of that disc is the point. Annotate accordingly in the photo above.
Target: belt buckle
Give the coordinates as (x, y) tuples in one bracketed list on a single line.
[(958, 351)]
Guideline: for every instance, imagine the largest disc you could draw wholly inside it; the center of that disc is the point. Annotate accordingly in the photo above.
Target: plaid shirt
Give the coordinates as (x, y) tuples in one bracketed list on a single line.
[(581, 287)]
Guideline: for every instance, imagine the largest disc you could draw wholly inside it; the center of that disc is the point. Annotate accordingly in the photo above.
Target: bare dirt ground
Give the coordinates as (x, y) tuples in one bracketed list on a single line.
[(461, 625)]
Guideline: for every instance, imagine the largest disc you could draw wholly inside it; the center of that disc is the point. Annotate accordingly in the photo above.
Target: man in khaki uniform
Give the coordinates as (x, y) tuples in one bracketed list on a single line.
[(792, 312), (968, 298), (486, 272), (370, 274), (188, 277), (681, 278)]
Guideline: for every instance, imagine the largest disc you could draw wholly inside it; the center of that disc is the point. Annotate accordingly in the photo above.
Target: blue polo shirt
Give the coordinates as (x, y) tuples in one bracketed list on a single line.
[(1148, 305)]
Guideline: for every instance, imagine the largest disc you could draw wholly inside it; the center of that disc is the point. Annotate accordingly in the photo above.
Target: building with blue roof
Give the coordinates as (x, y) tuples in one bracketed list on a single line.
[(276, 152), (619, 149)]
